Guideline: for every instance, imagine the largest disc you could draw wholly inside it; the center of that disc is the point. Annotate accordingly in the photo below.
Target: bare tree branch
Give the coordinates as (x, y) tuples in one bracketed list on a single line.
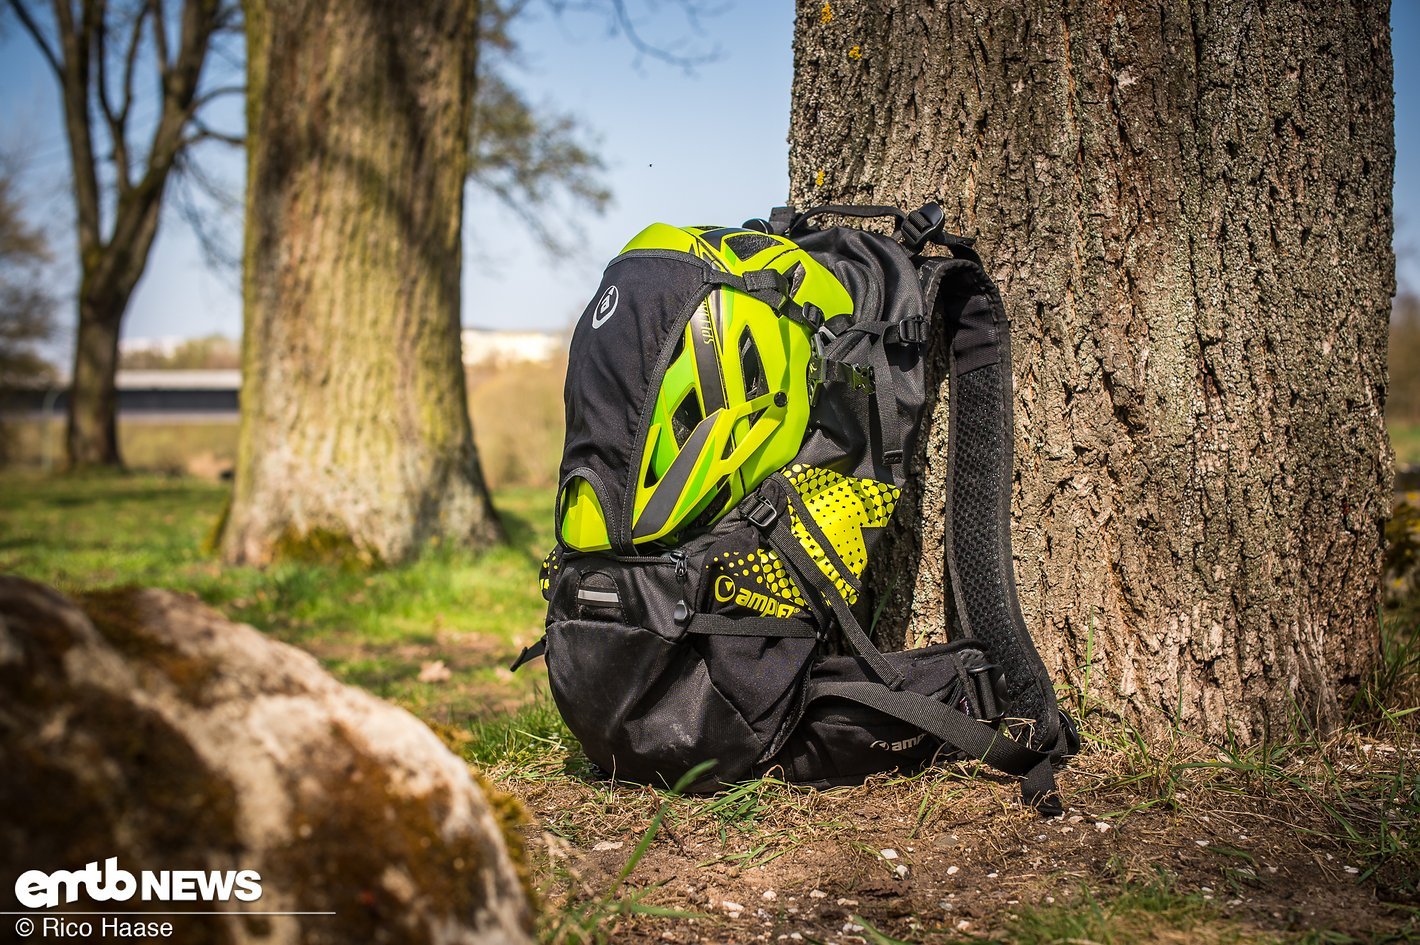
[(160, 37), (218, 92), (622, 21), (31, 27)]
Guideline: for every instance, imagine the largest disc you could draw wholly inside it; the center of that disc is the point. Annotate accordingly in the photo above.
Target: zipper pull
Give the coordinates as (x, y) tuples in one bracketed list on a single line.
[(682, 571)]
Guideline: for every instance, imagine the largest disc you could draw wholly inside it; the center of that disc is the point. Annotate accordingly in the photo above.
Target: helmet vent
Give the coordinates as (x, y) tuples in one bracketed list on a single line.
[(745, 245), (686, 418), (751, 368)]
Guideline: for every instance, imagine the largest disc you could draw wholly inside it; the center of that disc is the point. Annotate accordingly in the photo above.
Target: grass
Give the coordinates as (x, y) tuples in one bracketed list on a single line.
[(1405, 438), (376, 630), (1136, 912)]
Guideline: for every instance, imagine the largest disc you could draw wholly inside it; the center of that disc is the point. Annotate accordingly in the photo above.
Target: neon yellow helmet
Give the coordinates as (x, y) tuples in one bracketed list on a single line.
[(733, 404)]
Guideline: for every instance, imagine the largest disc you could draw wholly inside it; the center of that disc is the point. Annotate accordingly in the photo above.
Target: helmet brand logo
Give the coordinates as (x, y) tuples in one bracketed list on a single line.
[(606, 306)]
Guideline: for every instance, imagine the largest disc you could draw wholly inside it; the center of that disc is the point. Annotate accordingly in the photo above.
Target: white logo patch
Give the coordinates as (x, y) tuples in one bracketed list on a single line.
[(606, 306)]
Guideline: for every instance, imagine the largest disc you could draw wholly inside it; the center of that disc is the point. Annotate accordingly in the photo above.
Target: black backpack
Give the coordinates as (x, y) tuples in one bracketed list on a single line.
[(660, 661)]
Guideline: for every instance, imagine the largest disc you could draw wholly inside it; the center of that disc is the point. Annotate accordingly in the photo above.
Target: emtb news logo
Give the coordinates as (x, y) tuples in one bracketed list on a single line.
[(36, 889)]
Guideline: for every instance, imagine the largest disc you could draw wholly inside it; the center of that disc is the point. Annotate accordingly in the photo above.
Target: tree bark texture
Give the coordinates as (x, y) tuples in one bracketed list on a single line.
[(1187, 207), (355, 438)]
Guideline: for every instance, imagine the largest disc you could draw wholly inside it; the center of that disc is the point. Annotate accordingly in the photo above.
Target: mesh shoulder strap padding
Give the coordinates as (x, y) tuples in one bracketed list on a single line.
[(980, 454)]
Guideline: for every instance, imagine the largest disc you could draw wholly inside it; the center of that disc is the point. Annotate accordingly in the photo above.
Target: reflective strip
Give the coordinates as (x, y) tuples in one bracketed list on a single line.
[(586, 596)]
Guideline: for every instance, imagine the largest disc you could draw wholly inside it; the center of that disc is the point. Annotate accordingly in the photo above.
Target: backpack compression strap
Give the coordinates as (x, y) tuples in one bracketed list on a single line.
[(973, 737)]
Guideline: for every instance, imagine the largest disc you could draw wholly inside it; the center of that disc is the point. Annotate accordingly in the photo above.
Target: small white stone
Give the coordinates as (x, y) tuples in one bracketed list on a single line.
[(1050, 900), (817, 894), (963, 925), (901, 871), (729, 906), (852, 927), (1102, 827), (795, 936), (1352, 870), (769, 894), (605, 845), (992, 875), (888, 854), (953, 870)]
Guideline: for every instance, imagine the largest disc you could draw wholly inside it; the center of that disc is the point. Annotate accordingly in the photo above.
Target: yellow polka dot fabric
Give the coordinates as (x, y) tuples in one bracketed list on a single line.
[(841, 506)]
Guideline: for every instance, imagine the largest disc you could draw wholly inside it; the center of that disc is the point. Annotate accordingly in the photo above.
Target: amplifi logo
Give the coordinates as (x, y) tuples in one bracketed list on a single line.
[(726, 591)]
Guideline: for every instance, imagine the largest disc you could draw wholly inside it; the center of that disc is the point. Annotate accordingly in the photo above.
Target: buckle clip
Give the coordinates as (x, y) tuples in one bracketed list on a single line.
[(912, 331), (763, 515), (988, 684), (921, 225)]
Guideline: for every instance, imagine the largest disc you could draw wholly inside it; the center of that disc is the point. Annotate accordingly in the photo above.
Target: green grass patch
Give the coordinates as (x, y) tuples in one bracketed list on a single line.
[(1138, 912), (1405, 439), (377, 629)]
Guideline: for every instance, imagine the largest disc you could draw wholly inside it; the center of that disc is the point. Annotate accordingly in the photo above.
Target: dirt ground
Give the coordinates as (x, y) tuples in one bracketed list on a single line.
[(949, 857)]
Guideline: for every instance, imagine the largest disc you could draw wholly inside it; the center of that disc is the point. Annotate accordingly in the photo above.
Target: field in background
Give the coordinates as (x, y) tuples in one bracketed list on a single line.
[(1299, 840), (517, 424)]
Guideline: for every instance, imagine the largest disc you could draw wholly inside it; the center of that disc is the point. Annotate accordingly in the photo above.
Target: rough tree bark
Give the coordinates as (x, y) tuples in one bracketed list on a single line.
[(1188, 210), (355, 433)]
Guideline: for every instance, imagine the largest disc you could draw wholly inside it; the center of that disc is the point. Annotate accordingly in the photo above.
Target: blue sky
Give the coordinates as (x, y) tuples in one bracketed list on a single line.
[(665, 135)]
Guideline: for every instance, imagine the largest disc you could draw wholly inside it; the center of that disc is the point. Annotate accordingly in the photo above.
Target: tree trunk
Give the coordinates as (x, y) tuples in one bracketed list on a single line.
[(355, 434), (1188, 210), (91, 434)]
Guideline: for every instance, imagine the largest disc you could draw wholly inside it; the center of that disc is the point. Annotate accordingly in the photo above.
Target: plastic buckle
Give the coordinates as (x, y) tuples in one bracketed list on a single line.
[(763, 515), (911, 331), (921, 225), (861, 378), (988, 685)]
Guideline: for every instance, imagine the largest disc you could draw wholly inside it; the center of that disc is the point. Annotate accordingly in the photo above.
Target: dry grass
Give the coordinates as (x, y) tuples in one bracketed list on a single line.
[(201, 447), (518, 423)]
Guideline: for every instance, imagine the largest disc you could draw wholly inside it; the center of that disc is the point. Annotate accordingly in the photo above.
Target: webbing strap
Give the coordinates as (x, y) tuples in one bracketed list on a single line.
[(529, 653), (806, 572), (768, 286), (975, 738), (892, 433), (720, 625)]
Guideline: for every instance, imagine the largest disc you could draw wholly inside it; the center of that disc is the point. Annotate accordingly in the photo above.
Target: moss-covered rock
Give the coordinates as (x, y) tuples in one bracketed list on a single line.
[(142, 725)]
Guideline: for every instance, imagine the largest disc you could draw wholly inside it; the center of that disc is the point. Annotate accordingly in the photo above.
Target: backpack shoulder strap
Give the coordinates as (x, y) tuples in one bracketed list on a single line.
[(980, 457)]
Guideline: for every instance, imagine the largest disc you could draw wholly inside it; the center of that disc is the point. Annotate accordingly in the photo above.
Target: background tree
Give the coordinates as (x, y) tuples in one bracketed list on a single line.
[(26, 306), (355, 431), (98, 53), (1188, 210)]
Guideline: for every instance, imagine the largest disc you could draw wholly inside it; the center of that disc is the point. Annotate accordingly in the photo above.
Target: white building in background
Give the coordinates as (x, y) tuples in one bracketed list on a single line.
[(163, 347), (491, 347)]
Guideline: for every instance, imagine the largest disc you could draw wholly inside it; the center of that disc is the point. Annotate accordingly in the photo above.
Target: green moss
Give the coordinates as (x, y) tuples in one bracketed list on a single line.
[(512, 817), (323, 546), (213, 540), (116, 613), (351, 825)]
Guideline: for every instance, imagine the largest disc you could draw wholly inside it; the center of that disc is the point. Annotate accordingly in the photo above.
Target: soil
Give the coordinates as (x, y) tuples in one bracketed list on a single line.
[(946, 856)]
